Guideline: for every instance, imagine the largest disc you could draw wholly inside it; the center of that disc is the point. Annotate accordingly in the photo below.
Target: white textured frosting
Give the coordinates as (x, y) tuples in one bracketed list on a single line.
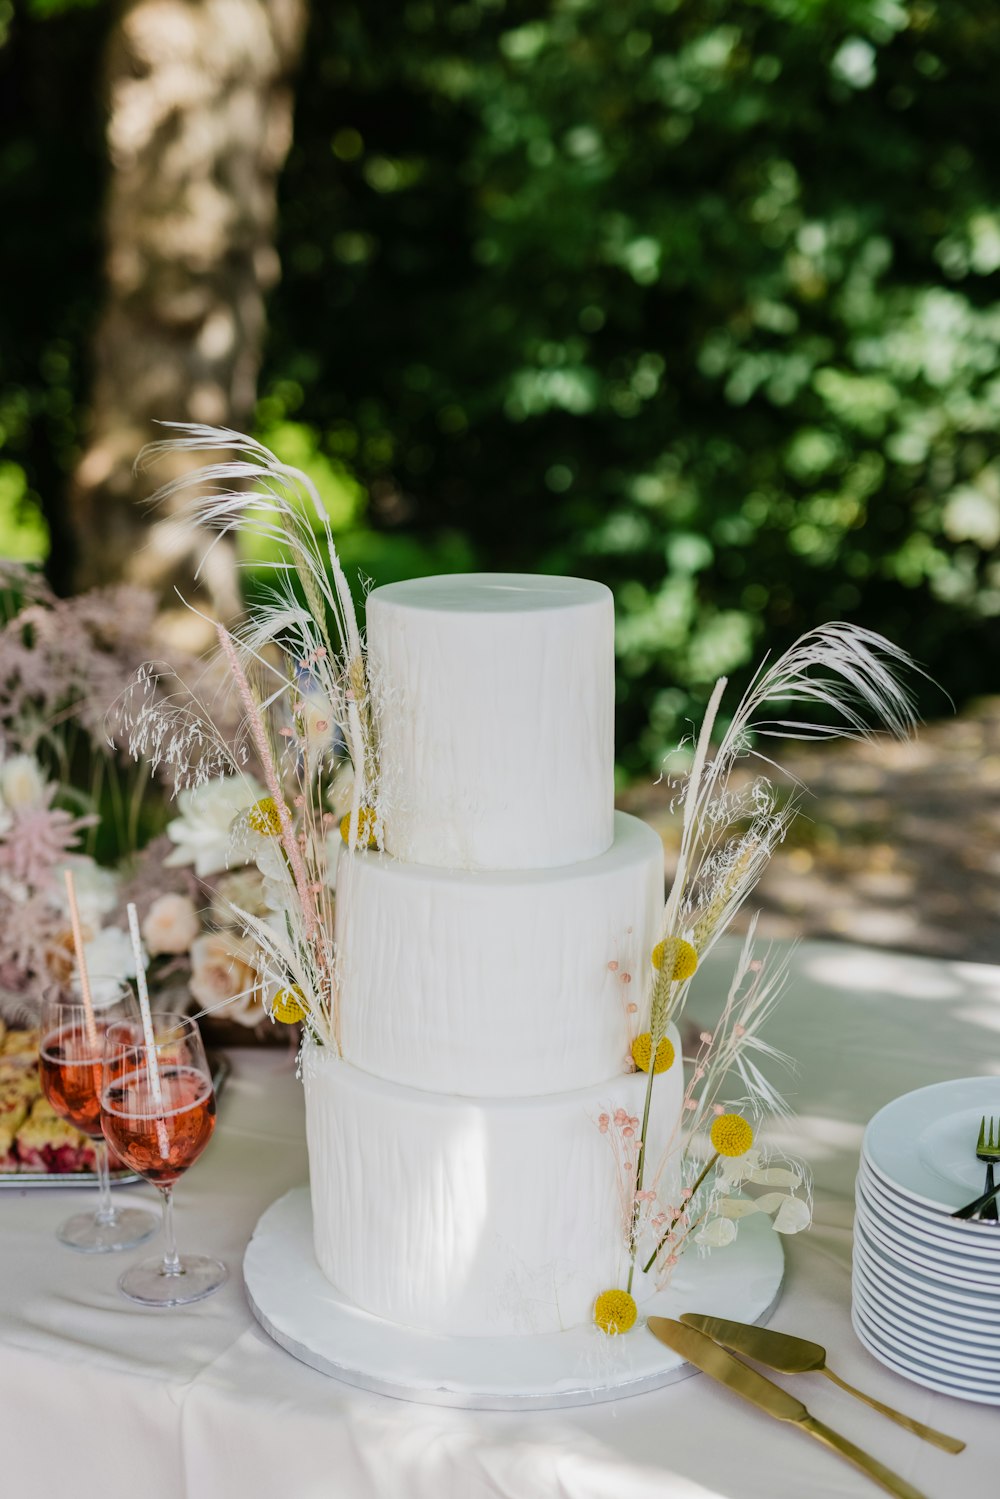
[(475, 1217), (495, 701), (505, 983)]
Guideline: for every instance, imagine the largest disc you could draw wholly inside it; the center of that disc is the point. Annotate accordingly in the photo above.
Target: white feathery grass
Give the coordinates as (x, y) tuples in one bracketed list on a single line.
[(298, 666), (689, 827), (285, 963), (171, 731), (256, 492), (727, 838), (853, 676)]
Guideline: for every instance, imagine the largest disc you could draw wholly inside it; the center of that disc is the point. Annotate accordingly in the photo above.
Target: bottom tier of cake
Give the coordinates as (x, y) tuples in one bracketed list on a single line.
[(477, 1217)]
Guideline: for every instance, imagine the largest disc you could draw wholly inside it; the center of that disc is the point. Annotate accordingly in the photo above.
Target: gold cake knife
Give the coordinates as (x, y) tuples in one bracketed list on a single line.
[(791, 1355), (714, 1361)]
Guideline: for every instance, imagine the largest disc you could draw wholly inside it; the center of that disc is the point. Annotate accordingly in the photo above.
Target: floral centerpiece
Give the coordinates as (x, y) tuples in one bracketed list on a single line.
[(727, 838), (64, 800), (263, 813), (38, 842)]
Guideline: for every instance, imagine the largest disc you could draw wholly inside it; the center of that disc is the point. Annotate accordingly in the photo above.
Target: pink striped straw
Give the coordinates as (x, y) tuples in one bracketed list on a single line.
[(81, 963)]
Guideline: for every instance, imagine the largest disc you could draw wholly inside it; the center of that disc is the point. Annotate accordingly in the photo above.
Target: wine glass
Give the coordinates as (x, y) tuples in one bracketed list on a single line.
[(70, 1057), (158, 1114)]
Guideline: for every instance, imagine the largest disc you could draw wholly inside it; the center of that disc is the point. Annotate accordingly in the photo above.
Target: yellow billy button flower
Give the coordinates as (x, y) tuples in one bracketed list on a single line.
[(731, 1135), (366, 827), (676, 957), (614, 1311), (642, 1046), (264, 818), (288, 1006)]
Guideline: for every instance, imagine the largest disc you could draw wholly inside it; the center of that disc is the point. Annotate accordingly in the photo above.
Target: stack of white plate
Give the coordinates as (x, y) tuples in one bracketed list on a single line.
[(926, 1286)]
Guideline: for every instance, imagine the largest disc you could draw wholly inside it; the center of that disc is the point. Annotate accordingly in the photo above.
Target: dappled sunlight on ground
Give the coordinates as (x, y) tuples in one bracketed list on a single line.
[(898, 845)]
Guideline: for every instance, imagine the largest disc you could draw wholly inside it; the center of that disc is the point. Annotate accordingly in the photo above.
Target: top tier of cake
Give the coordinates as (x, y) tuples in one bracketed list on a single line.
[(495, 700)]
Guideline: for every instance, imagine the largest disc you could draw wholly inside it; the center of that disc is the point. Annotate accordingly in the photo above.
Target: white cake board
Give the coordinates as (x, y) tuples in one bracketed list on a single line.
[(295, 1303)]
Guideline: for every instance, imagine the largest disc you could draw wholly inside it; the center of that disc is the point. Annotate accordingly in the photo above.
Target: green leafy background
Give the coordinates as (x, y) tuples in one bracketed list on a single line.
[(697, 298)]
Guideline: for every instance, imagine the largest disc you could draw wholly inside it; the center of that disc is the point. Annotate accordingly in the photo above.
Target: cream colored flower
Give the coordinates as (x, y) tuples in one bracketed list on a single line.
[(110, 959), (224, 972), (171, 925), (240, 888), (203, 832), (23, 783), (96, 891)]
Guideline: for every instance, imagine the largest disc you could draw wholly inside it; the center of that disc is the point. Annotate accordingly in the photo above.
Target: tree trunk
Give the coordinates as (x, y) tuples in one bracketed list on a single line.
[(200, 121)]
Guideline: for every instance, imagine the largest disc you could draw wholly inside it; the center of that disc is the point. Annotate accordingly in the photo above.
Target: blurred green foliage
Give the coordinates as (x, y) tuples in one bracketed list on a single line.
[(52, 170), (699, 298)]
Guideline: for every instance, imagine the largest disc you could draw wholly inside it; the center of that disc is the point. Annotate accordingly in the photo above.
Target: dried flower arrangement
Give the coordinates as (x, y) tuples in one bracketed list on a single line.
[(693, 1193), (38, 841), (63, 800), (184, 885), (63, 660), (306, 728)]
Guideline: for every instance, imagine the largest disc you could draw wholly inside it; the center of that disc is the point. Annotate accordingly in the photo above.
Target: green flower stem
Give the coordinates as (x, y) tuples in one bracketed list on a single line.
[(658, 1029), (674, 1222), (642, 1165)]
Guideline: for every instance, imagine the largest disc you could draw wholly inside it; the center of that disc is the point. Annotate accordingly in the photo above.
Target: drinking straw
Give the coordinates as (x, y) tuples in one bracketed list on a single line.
[(81, 963), (147, 1029)]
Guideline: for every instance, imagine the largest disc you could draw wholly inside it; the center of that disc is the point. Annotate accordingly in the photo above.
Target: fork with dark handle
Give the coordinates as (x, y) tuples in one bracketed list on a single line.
[(988, 1150), (972, 1208)]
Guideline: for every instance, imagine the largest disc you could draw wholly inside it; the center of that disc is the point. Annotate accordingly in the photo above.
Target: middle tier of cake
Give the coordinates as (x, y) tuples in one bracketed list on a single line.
[(505, 983)]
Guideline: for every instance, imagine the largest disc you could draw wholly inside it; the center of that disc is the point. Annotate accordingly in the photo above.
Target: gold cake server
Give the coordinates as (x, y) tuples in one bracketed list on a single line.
[(790, 1355), (717, 1363)]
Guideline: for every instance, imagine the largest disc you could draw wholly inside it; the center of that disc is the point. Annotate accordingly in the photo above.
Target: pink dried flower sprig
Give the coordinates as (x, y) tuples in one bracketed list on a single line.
[(621, 1130), (38, 838), (68, 658)]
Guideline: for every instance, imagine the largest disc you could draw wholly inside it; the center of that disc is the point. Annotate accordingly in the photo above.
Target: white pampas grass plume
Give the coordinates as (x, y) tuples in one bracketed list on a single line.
[(256, 493), (856, 678)]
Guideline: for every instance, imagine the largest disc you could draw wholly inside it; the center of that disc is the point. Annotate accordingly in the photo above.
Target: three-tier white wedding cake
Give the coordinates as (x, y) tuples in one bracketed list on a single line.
[(464, 1179)]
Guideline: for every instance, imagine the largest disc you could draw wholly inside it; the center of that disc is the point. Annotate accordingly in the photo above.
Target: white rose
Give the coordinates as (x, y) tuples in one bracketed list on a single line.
[(171, 925), (203, 833), (110, 959), (96, 892), (23, 783), (223, 972)]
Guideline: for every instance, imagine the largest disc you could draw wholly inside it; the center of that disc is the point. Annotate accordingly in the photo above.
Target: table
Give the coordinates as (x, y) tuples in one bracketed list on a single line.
[(102, 1400)]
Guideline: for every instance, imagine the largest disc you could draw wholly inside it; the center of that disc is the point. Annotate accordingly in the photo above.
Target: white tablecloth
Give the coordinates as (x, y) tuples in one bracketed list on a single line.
[(101, 1400)]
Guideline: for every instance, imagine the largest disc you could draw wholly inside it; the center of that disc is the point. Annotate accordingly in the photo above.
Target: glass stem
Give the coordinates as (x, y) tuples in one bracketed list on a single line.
[(171, 1259), (105, 1207)]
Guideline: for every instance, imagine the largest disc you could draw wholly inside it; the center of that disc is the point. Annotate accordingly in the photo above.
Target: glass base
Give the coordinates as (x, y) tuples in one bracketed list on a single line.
[(90, 1235), (150, 1285)]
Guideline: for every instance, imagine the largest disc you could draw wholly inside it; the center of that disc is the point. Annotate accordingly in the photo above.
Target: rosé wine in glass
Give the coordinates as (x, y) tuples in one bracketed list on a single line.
[(158, 1114), (188, 1119), (70, 1071), (71, 1081)]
